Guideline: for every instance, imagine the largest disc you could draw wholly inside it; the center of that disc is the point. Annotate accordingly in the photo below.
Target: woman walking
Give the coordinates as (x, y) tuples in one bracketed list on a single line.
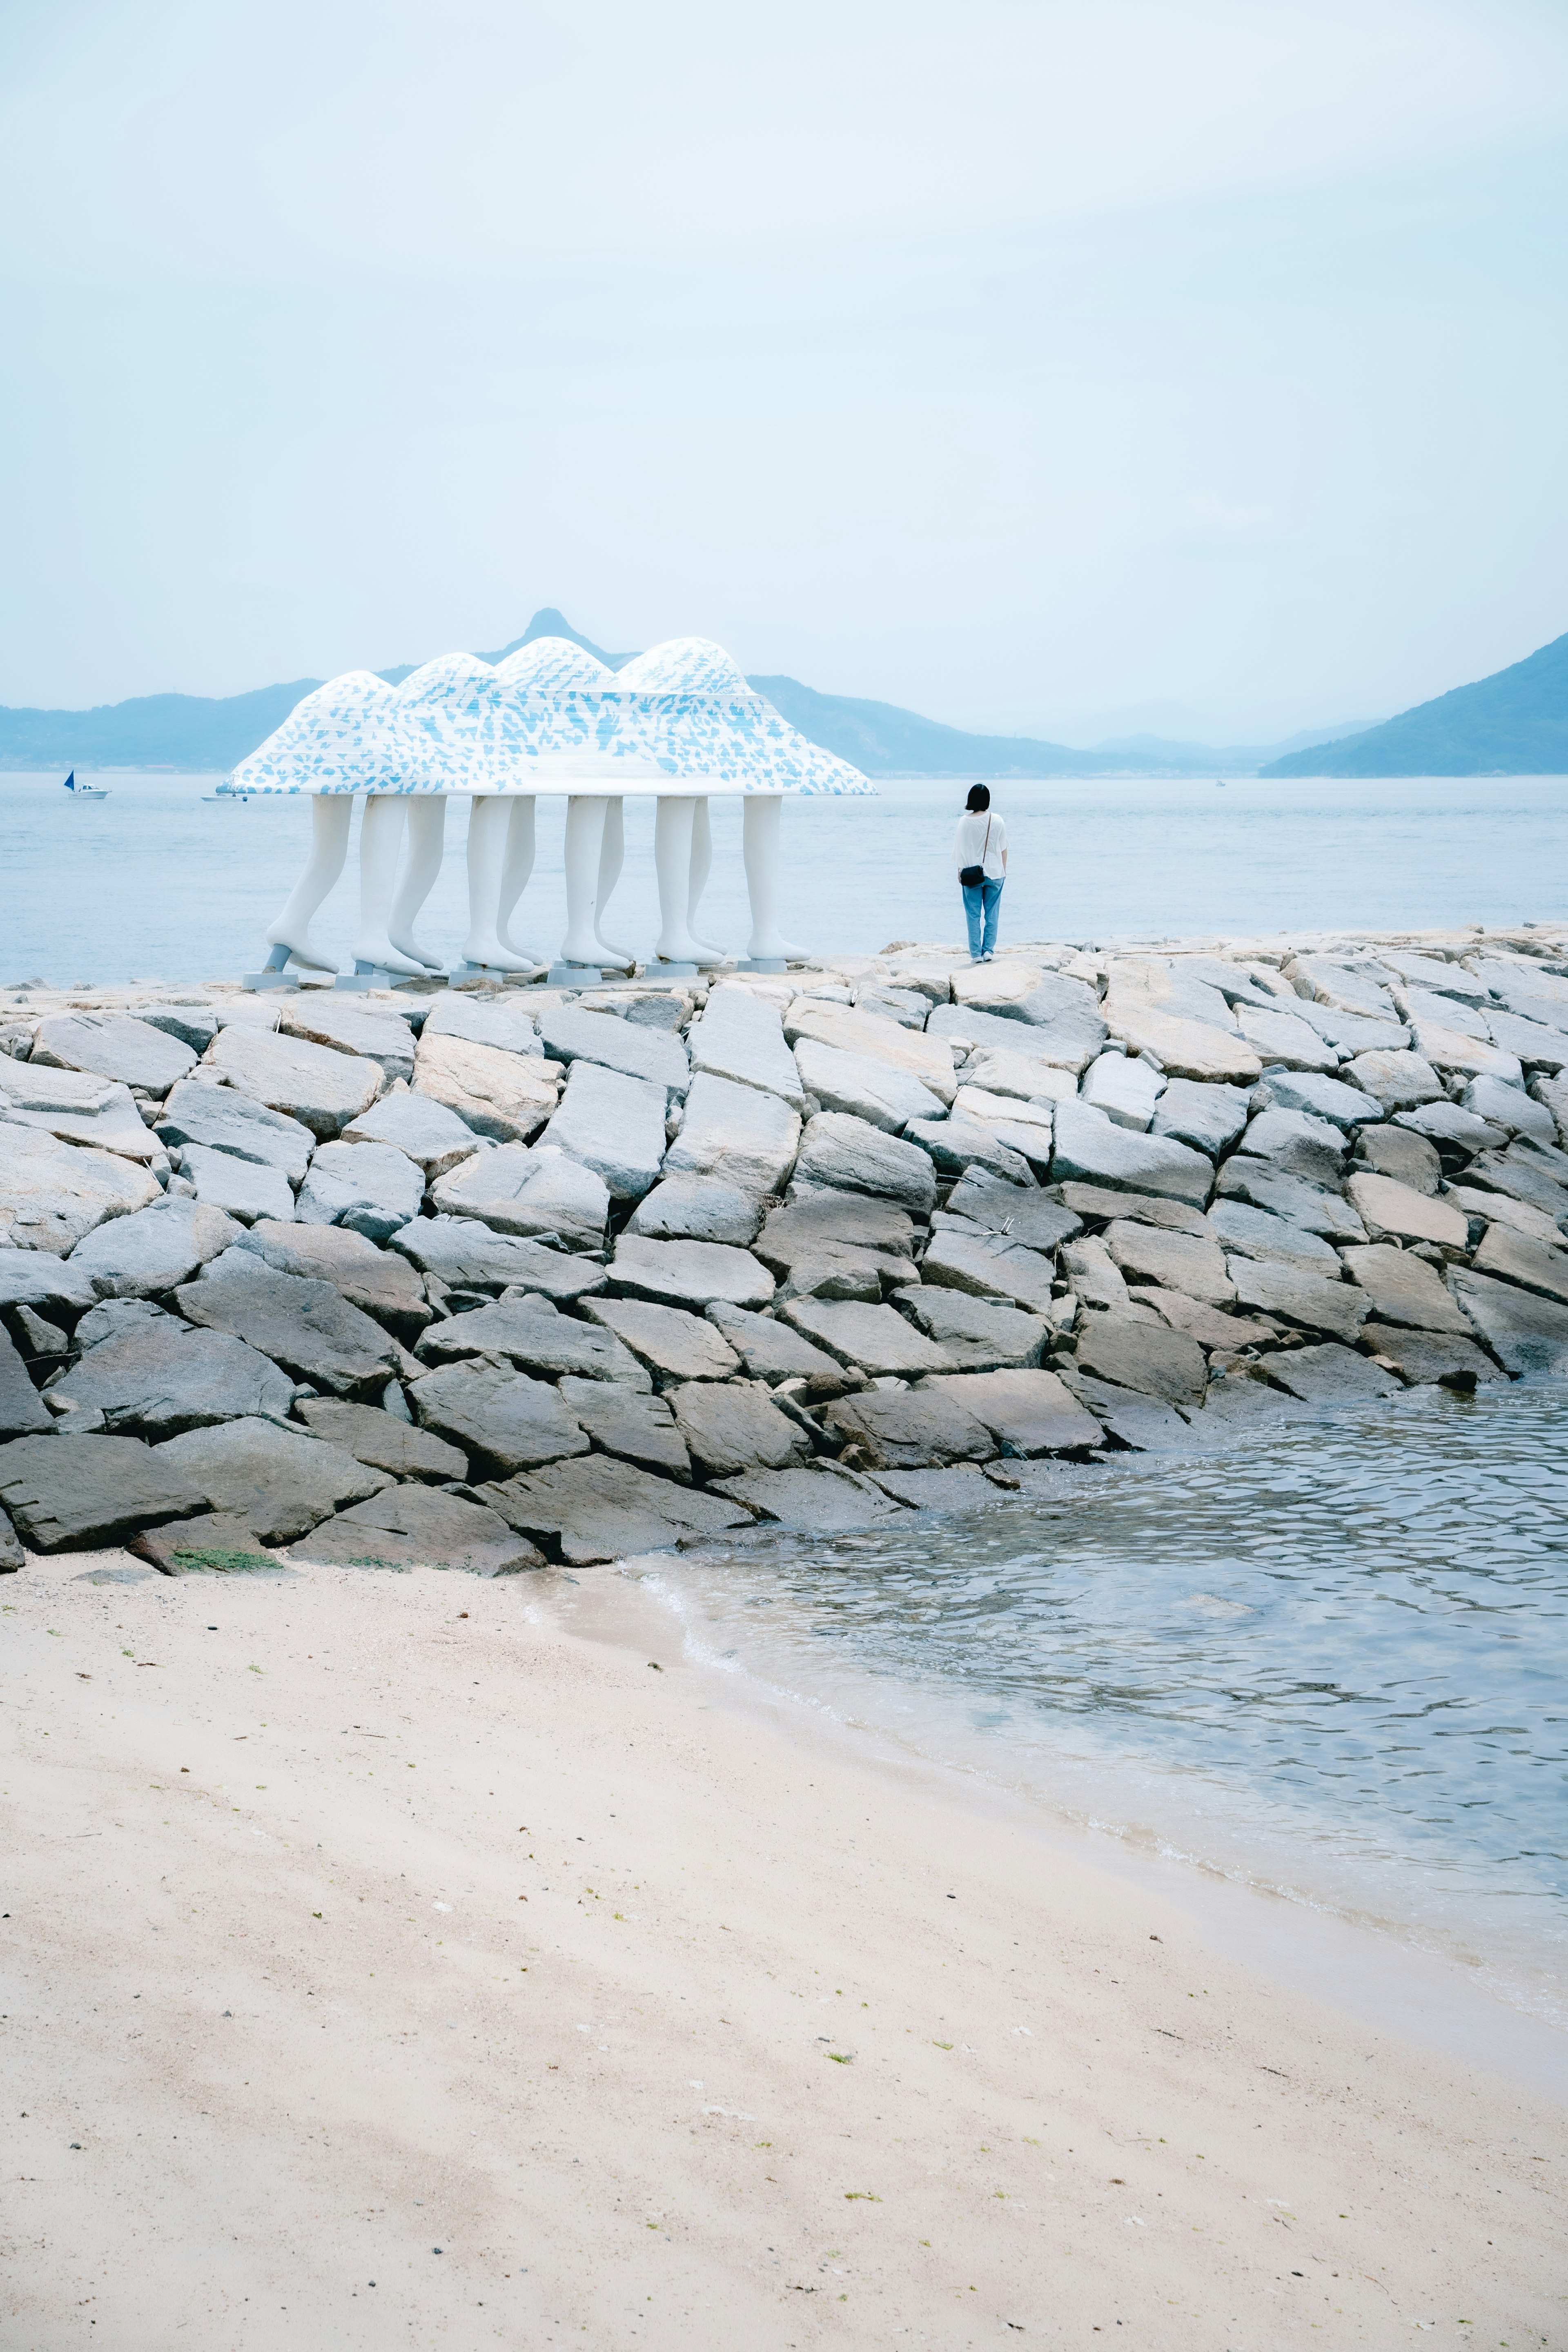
[(980, 853)]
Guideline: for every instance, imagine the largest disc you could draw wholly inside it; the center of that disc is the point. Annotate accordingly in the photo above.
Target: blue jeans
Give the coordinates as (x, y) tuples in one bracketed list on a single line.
[(980, 913)]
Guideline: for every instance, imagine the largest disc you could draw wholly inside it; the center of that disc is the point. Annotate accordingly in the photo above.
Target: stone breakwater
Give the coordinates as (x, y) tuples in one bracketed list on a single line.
[(483, 1278)]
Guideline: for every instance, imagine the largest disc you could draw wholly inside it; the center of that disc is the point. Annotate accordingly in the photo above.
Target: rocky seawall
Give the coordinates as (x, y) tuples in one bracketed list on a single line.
[(483, 1278)]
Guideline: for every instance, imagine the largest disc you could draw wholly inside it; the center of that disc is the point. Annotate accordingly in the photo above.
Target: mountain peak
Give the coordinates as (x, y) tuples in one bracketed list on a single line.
[(549, 623)]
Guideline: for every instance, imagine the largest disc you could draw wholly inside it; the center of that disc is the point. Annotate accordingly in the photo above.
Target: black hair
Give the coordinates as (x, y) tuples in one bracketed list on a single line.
[(979, 797)]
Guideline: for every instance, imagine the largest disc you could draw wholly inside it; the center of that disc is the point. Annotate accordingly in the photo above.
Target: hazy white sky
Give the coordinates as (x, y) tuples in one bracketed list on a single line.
[(1052, 368)]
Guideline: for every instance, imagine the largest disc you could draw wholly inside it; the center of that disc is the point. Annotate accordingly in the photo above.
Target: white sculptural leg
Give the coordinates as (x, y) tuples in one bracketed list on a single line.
[(702, 866), (290, 934), (768, 944), (426, 841), (672, 862), (611, 853), (380, 841), (584, 847), (515, 870), (488, 819)]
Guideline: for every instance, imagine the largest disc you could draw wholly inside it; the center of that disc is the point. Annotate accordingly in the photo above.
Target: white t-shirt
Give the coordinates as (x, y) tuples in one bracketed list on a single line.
[(970, 846)]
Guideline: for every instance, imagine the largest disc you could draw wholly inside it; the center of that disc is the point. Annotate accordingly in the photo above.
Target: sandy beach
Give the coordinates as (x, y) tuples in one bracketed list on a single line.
[(507, 1989)]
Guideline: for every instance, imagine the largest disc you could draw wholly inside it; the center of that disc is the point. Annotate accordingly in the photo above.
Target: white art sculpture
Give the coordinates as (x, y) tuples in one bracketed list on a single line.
[(675, 726)]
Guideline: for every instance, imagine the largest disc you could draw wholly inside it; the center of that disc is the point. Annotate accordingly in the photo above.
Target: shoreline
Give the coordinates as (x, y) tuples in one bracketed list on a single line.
[(286, 2010)]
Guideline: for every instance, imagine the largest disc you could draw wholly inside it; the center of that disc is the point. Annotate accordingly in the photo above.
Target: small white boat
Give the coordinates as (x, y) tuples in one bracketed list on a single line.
[(226, 792), (84, 791)]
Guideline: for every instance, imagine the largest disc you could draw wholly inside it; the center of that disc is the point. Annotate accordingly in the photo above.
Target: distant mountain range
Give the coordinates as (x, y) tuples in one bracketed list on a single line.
[(1515, 723)]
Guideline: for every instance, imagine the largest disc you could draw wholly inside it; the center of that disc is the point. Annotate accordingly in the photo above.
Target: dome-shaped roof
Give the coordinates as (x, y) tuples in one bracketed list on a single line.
[(551, 665), (337, 739), (683, 665)]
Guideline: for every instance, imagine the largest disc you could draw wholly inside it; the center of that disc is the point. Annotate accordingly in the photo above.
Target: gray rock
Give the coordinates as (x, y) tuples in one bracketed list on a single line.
[(729, 1428), (383, 1440), (79, 1107), (979, 1334), (38, 1279), (501, 1420), (1514, 1257), (380, 1036), (1314, 1209), (515, 1190), (916, 1428), (1256, 1233), (598, 1508), (51, 1194), (38, 1342), (929, 1059), (160, 1378), (1396, 1080), (115, 1046), (1408, 1159), (1013, 1215), (904, 1005), (1405, 1289), (1089, 1147), (1389, 1209), (1283, 1038), (1330, 981), (1552, 1095), (220, 1119), (875, 1340), (1097, 1280), (1422, 1358), (154, 1250), (1148, 1357), (746, 1135), (1420, 1005), (505, 1096), (1444, 1122), (630, 1424), (278, 1483), (409, 1526), (23, 1412), (838, 1273), (987, 1265), (571, 1034), (697, 1209), (661, 1008), (242, 1189), (1295, 1144), (94, 1491), (1526, 1334), (502, 1022), (114, 1318), (1431, 972), (688, 1274), (534, 1337), (214, 1543), (1537, 1047), (1125, 1087), (864, 1087), (379, 1283), (839, 1153), (772, 1352), (674, 1346), (1068, 1040), (1208, 1118), (822, 1498), (1137, 1424), (1328, 1375), (1327, 1099), (466, 1255), (371, 1188), (1355, 1033), (321, 1089), (613, 1125), (194, 1024), (964, 1487), (1240, 1408), (307, 1326), (1176, 1261), (740, 1037), (1505, 1171), (1088, 1202), (1296, 1296), (958, 1144), (422, 1128), (1027, 1413), (821, 1222), (1511, 1108)]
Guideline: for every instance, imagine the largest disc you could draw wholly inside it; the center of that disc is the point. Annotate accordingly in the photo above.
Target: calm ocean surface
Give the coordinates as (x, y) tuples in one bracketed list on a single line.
[(158, 882)]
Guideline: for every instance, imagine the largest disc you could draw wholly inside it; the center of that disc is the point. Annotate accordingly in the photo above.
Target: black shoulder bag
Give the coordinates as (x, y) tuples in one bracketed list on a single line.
[(972, 876)]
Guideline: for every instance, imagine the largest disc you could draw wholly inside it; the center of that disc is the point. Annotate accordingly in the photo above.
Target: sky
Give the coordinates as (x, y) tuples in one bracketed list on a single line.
[(1067, 369)]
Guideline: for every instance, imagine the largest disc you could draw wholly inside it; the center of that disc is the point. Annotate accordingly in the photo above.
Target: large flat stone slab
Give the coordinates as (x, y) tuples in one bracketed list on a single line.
[(1315, 1207), (746, 1135), (371, 1188), (77, 1493), (279, 1485), (1284, 1037), (863, 1087), (214, 1543), (730, 1427), (1297, 1144), (875, 1340), (675, 1346), (772, 1351), (52, 1193), (155, 1249), (1089, 1148), (613, 1125), (381, 1036), (47, 1285), (501, 1420), (220, 1118), (979, 1334), (1320, 1097), (308, 1328), (598, 1508), (1389, 1208), (1297, 1295), (380, 1283), (1125, 1087), (1204, 1324), (1508, 1108), (1134, 1423), (506, 1022), (926, 1058), (1027, 1413), (964, 1487), (1328, 980), (1246, 1232), (422, 1130), (1067, 1041), (958, 1144), (534, 1337), (113, 1046), (157, 1381), (658, 1057), (1426, 1358), (23, 1412), (80, 1108), (505, 1096), (1089, 1203), (692, 1275), (822, 1498), (1187, 1049), (1176, 1261), (819, 1223), (1396, 1078), (988, 1266), (1016, 1214), (518, 1191), (468, 1255), (409, 1526), (1406, 1290), (313, 1085), (383, 1440), (1409, 1158), (1513, 1257), (697, 1209), (1148, 1357), (1331, 1375), (917, 1429), (1206, 1118), (1495, 1172), (630, 1423), (1018, 1077), (1238, 1409), (241, 1189), (840, 1153), (740, 1037)]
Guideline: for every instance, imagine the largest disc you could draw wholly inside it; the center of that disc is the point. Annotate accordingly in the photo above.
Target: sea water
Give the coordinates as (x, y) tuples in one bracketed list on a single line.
[(1331, 1664), (163, 881)]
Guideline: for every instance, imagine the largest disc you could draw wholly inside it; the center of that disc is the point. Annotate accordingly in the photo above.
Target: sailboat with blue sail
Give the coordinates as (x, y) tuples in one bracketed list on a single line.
[(84, 791)]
